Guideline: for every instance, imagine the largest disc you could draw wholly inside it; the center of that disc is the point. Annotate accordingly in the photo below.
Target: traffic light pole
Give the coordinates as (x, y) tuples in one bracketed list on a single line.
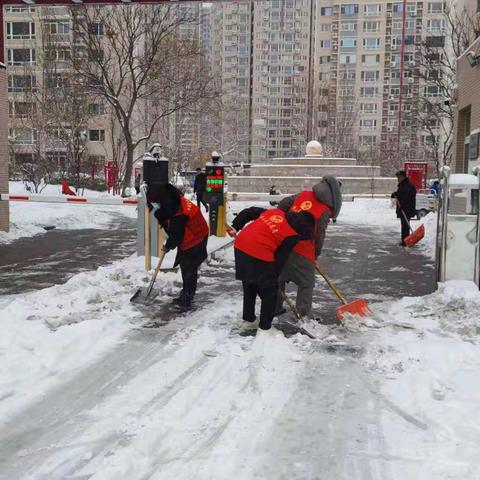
[(216, 198)]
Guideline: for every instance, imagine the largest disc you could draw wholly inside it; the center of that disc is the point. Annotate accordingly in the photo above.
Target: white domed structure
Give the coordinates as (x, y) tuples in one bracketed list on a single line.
[(314, 148)]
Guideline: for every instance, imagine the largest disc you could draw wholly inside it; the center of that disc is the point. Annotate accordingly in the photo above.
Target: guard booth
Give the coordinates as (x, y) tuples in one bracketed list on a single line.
[(215, 196), (150, 236), (458, 231)]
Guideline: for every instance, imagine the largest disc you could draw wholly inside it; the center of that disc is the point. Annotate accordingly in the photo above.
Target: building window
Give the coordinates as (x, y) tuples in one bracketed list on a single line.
[(96, 109), (96, 135), (368, 124), (325, 43), (436, 7), (371, 10), (22, 83), (435, 41), (370, 76), (348, 58), (371, 27), (326, 11), (371, 59), (349, 9), (436, 25), (368, 140), (348, 42), (432, 91), (22, 136), (21, 56), (96, 29), (20, 30), (21, 109), (369, 107), (398, 8), (348, 75), (369, 91), (325, 27), (59, 28), (371, 43), (324, 59), (348, 27)]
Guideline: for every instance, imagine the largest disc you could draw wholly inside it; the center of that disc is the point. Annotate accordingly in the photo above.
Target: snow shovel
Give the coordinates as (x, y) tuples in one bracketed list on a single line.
[(290, 304), (293, 308), (416, 235), (142, 295), (357, 307)]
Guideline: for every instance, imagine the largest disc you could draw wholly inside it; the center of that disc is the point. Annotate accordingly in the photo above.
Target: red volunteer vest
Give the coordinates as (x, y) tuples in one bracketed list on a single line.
[(196, 229), (261, 238), (307, 202)]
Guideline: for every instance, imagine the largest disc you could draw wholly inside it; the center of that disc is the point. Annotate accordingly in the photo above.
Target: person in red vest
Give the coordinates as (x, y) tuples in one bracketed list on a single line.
[(261, 250), (323, 201), (187, 230)]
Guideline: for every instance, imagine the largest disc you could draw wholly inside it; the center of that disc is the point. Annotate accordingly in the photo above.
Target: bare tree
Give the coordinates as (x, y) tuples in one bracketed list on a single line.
[(132, 54), (437, 70), (51, 108)]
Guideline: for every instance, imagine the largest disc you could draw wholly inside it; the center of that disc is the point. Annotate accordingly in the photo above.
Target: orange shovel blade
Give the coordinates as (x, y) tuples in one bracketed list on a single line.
[(357, 307), (415, 236)]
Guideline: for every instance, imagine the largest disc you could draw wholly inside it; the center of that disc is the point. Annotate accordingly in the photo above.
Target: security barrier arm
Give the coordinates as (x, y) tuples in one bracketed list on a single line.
[(67, 199)]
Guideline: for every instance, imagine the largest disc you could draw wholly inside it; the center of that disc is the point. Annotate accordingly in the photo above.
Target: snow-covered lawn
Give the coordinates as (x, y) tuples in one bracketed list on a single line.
[(431, 375), (30, 218), (206, 403)]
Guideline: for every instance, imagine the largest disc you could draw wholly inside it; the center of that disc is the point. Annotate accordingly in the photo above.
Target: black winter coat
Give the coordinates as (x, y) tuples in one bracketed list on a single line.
[(200, 183), (406, 196)]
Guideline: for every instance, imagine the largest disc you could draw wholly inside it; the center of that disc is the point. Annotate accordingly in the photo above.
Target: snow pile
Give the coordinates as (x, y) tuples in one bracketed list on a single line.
[(93, 311), (428, 379), (30, 218), (429, 242), (453, 309)]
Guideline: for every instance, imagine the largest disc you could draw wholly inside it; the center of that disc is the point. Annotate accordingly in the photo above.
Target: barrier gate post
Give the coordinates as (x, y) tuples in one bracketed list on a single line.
[(215, 196)]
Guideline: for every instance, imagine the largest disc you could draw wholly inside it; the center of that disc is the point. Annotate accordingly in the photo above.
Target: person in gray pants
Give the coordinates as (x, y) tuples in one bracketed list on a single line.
[(324, 201)]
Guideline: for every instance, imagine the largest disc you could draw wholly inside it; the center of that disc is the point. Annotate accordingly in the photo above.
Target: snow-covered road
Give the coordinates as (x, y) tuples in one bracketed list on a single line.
[(194, 399), (95, 397)]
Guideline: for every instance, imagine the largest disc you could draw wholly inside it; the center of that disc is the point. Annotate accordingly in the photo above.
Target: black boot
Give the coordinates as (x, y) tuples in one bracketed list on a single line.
[(186, 300), (179, 299)]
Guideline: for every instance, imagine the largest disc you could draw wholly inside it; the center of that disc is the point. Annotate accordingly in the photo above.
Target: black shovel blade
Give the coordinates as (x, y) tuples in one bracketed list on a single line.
[(141, 297)]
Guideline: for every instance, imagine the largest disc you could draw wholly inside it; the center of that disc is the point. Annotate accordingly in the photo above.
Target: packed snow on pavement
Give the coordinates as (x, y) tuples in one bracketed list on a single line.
[(394, 396)]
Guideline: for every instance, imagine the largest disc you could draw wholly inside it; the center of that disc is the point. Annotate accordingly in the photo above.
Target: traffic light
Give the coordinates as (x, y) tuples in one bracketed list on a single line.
[(215, 181), (215, 197)]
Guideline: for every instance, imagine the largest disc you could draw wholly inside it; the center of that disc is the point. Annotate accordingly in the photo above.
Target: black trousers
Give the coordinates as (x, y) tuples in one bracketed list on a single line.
[(201, 200), (268, 296), (405, 227), (189, 277)]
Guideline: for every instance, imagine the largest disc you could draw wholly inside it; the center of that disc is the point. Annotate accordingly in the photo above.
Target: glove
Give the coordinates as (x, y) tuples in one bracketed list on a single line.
[(165, 249)]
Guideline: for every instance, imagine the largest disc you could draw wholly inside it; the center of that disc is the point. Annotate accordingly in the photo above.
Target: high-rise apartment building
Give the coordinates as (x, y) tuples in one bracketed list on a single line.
[(347, 74), (367, 80), (38, 46)]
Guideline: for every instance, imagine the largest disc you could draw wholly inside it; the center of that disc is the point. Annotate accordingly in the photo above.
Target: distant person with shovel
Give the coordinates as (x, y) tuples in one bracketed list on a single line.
[(187, 230), (405, 198)]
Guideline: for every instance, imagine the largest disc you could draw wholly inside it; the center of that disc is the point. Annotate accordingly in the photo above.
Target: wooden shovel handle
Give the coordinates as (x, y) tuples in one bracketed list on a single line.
[(157, 269), (290, 304), (335, 290), (404, 215)]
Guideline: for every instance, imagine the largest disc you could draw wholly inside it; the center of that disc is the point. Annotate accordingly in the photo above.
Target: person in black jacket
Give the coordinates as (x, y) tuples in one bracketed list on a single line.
[(187, 230), (406, 203), (199, 187)]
